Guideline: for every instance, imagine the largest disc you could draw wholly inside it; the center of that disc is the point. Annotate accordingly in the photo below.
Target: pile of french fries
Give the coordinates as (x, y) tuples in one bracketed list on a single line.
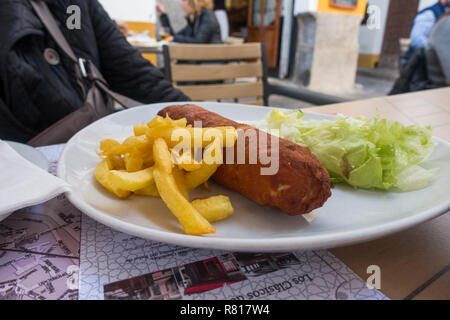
[(167, 158)]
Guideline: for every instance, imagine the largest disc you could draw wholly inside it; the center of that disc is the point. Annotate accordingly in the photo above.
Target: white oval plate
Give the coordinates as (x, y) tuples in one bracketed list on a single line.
[(349, 216)]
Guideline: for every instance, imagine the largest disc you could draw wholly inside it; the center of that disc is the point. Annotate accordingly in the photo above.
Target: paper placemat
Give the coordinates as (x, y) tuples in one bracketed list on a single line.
[(39, 248), (114, 265), (52, 251)]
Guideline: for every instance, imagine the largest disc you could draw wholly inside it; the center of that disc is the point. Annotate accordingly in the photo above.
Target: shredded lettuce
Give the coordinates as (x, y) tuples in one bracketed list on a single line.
[(365, 153)]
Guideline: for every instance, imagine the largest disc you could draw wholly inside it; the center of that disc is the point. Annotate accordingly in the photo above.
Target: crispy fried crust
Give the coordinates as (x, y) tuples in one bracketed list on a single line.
[(301, 185)]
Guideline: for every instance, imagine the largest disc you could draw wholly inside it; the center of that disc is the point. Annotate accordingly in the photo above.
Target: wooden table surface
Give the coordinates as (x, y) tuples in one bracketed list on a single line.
[(415, 264)]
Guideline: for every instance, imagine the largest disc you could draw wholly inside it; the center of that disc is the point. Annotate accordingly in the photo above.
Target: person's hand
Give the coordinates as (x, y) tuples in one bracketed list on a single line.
[(160, 8)]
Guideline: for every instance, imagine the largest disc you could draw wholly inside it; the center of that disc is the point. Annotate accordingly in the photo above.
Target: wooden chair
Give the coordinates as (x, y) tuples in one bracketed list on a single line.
[(228, 71)]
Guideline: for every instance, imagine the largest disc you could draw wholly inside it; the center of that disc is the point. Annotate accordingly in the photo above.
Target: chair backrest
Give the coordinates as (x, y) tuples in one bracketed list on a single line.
[(218, 72), (234, 40)]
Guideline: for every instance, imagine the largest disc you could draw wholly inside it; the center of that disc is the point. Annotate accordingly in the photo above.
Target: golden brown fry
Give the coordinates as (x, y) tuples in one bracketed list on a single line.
[(140, 129), (149, 190), (108, 145), (132, 181), (214, 208), (186, 162), (142, 143), (162, 155), (195, 178), (115, 162), (178, 175), (133, 161), (192, 222), (102, 174), (141, 146), (159, 121), (190, 166)]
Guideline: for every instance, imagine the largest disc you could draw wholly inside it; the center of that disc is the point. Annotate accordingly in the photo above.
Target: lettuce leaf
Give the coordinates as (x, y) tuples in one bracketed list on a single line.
[(365, 153)]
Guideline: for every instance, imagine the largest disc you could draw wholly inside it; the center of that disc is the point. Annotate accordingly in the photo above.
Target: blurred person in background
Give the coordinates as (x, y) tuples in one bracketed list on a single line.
[(423, 24), (428, 68), (38, 85), (222, 18), (202, 25), (438, 53)]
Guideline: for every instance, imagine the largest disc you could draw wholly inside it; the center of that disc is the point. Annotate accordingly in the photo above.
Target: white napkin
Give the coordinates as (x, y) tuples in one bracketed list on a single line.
[(23, 184)]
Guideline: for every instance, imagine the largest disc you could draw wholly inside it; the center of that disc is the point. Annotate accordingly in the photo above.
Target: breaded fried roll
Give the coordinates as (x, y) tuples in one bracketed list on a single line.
[(300, 184)]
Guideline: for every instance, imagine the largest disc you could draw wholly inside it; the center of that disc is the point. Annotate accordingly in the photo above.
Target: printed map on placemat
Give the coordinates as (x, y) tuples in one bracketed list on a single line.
[(39, 248), (114, 265)]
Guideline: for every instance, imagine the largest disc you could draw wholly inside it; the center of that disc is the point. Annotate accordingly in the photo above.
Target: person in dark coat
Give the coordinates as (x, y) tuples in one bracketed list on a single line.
[(428, 68), (37, 89), (437, 53), (423, 24), (202, 25)]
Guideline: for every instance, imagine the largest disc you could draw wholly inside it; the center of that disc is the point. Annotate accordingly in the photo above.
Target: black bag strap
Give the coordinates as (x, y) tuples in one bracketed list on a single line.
[(84, 68)]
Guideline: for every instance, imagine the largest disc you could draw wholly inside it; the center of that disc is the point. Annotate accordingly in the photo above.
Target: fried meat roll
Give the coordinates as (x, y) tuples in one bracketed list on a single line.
[(300, 185)]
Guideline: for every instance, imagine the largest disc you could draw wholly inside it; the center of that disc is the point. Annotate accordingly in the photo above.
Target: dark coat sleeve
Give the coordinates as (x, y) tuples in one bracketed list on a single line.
[(123, 66), (203, 34), (10, 127)]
